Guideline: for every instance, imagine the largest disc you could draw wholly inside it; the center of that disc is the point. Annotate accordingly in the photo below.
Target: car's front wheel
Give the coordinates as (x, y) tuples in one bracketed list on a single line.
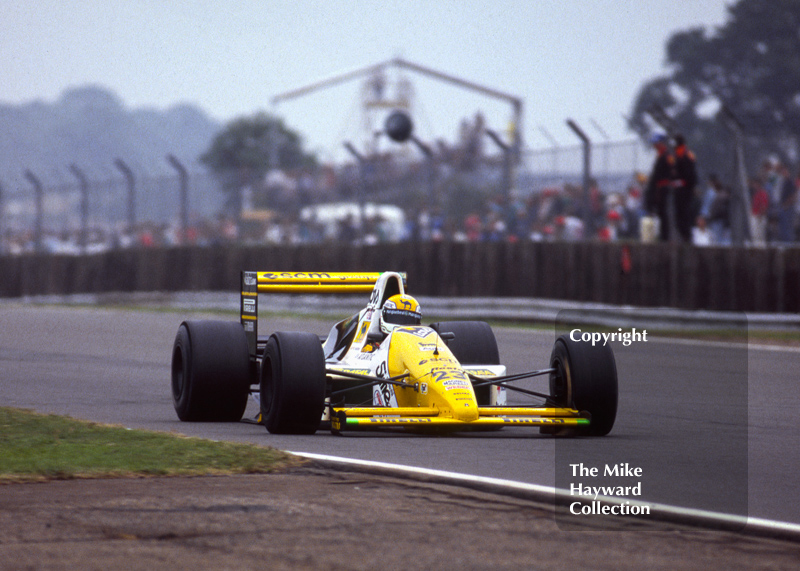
[(585, 378)]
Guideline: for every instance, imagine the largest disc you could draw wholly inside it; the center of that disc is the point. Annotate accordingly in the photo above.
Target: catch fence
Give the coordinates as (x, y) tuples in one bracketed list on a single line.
[(451, 181)]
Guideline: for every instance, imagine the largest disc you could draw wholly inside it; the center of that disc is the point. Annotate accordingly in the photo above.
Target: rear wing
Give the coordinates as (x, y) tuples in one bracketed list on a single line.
[(253, 283)]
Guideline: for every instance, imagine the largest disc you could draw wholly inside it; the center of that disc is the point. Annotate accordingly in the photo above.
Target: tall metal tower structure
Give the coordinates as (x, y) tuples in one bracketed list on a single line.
[(382, 93), (376, 97)]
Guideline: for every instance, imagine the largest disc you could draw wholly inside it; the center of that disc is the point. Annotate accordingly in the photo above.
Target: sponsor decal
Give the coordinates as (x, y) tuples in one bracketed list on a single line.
[(249, 279), (362, 332), (384, 391), (249, 326), (353, 370), (441, 360), (399, 420), (421, 332), (501, 395), (481, 373), (249, 305), (406, 304), (382, 396), (441, 375), (374, 297), (454, 388), (530, 421), (295, 275)]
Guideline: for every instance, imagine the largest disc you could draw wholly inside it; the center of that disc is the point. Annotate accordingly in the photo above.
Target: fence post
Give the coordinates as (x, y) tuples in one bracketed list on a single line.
[(184, 195), (362, 184), (2, 213), (131, 182), (605, 145), (84, 186), (587, 172), (507, 162), (739, 211), (38, 198)]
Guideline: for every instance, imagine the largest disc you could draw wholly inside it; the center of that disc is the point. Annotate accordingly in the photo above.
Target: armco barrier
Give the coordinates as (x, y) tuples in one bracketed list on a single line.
[(644, 275)]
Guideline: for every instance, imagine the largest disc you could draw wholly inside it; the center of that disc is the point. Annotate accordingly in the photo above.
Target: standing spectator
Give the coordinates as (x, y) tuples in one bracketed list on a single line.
[(786, 202), (609, 232), (701, 235), (717, 216), (759, 206), (684, 188), (473, 226), (660, 183), (596, 209), (772, 184), (632, 213)]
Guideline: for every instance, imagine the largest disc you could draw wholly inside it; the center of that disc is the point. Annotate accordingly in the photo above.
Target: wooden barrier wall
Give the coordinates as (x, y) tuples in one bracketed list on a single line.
[(658, 275)]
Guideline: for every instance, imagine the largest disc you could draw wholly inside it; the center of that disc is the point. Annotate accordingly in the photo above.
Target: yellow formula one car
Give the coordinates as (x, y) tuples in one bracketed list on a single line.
[(378, 368)]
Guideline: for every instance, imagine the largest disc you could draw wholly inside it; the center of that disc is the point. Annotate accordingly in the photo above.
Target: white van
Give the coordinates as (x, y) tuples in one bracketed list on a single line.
[(389, 219)]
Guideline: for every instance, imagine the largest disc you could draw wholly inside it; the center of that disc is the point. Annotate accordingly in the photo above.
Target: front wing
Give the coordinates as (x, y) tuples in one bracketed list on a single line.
[(370, 418)]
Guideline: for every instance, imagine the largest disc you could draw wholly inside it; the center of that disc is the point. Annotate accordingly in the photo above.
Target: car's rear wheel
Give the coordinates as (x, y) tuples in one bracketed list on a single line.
[(293, 383), (210, 371), (585, 379), (473, 343)]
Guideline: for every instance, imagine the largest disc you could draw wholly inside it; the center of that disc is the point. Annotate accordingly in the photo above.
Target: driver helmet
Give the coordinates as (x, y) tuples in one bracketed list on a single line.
[(399, 310)]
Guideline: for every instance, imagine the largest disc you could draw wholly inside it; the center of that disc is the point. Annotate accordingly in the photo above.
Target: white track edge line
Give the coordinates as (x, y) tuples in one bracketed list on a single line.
[(546, 493)]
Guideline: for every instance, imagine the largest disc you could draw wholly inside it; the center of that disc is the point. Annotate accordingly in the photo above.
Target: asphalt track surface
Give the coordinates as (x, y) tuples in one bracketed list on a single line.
[(711, 427)]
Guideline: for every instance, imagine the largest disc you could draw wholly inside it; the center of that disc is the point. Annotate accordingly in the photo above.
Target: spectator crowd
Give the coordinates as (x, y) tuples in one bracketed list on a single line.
[(702, 216)]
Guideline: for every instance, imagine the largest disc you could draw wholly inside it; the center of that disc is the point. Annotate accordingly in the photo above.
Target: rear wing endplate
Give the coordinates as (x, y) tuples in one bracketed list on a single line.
[(253, 283)]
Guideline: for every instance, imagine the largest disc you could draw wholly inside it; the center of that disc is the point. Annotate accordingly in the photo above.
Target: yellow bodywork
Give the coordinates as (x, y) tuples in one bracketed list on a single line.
[(437, 393), (441, 383)]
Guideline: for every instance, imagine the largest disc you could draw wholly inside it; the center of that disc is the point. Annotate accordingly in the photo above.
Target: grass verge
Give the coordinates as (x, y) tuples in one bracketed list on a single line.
[(36, 446)]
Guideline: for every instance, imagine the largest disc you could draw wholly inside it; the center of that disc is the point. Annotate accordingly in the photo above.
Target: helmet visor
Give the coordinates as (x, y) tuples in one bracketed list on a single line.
[(401, 316)]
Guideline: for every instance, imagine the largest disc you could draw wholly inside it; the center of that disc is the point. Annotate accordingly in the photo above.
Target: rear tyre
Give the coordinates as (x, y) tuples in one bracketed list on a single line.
[(210, 371), (585, 379), (474, 344), (293, 383)]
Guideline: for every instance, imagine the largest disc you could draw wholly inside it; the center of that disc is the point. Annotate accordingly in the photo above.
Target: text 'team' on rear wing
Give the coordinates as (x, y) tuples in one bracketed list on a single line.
[(253, 283)]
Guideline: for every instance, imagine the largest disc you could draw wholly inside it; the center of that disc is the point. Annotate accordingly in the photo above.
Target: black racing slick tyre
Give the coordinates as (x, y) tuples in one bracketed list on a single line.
[(474, 344), (293, 383), (585, 379), (210, 371)]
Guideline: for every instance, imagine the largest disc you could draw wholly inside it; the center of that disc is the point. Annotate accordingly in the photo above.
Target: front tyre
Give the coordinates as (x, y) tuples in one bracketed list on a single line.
[(293, 383), (585, 379), (210, 371)]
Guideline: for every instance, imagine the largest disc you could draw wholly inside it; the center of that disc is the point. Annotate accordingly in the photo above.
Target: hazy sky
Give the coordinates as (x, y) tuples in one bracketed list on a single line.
[(584, 59)]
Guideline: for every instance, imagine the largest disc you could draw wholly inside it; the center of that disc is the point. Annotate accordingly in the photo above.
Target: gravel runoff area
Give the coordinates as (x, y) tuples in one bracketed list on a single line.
[(315, 517)]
